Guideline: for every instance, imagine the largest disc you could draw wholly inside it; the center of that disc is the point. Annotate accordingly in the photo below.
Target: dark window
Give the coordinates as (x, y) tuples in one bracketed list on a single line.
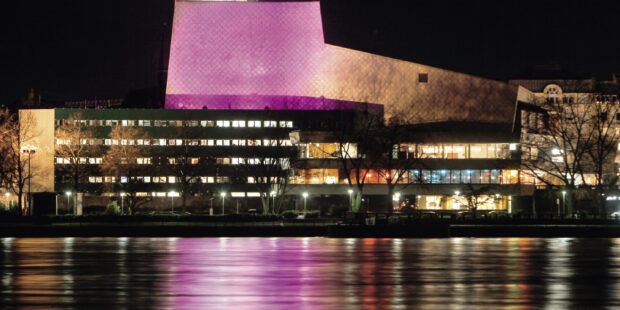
[(604, 116), (423, 77)]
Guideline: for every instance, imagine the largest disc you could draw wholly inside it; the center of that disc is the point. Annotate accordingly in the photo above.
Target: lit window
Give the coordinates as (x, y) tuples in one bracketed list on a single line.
[(162, 142), (223, 123), (194, 161), (171, 179), (124, 122), (147, 179), (513, 146), (289, 124), (251, 180), (282, 124), (123, 179)]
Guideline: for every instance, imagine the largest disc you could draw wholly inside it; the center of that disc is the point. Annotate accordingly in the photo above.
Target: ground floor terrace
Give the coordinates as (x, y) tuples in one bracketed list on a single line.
[(329, 199)]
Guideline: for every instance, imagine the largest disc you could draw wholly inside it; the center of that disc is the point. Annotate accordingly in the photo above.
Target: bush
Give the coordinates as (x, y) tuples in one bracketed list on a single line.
[(289, 214), (12, 210), (112, 209), (313, 214), (337, 210)]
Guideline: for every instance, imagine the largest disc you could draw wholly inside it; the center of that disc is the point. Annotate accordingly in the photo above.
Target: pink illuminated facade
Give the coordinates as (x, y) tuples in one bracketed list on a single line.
[(277, 49)]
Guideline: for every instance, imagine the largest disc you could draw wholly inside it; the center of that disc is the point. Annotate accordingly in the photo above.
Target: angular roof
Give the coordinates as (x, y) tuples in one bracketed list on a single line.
[(277, 49)]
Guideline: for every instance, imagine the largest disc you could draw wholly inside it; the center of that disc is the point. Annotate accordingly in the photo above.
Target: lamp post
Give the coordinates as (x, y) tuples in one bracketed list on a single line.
[(7, 194), (305, 196), (397, 199), (563, 203), (350, 191), (29, 151), (122, 203), (273, 201), (455, 202), (171, 194), (223, 194), (68, 199)]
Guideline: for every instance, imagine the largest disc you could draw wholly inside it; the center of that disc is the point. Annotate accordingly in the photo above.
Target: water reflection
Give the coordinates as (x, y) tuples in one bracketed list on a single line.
[(310, 273)]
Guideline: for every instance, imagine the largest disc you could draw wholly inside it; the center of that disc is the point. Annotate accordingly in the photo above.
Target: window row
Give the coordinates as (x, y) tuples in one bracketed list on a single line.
[(458, 150), (157, 179), (179, 142), (282, 162), (82, 160), (327, 150), (184, 123)]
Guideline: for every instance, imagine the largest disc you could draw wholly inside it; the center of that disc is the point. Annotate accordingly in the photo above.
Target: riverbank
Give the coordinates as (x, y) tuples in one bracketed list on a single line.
[(302, 229)]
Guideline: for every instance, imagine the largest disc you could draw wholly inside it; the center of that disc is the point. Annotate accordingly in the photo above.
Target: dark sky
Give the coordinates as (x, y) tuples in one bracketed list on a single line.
[(71, 50)]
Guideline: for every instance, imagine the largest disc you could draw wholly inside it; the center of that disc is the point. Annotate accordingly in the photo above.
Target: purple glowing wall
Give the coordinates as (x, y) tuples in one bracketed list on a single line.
[(243, 48)]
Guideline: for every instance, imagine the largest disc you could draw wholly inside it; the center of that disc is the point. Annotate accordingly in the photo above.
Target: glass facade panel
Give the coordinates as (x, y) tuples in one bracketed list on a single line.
[(455, 177), (430, 151), (444, 176), (455, 151)]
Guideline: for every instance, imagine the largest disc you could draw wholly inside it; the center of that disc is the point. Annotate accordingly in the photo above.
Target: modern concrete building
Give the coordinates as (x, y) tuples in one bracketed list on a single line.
[(245, 76)]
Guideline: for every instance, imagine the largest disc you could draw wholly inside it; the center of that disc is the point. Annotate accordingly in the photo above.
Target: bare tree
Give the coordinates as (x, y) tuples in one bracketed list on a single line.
[(188, 164), (269, 170), (17, 136), (475, 197), (358, 153), (604, 145), (127, 162), (393, 165), (75, 142), (570, 139)]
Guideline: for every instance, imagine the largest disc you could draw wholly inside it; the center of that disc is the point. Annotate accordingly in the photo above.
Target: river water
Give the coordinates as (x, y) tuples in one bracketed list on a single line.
[(310, 273)]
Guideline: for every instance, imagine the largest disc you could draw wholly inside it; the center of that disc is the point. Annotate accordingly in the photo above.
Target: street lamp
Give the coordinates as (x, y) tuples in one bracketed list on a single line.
[(68, 199), (29, 151), (457, 193), (350, 191), (223, 194), (305, 196), (171, 194), (7, 194), (563, 202), (273, 200), (122, 202)]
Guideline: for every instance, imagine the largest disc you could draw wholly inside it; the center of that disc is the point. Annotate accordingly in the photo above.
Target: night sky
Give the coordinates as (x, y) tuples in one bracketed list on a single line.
[(71, 50)]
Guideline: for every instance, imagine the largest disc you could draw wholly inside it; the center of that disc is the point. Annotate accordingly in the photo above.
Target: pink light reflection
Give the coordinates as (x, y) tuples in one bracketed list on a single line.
[(244, 273)]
